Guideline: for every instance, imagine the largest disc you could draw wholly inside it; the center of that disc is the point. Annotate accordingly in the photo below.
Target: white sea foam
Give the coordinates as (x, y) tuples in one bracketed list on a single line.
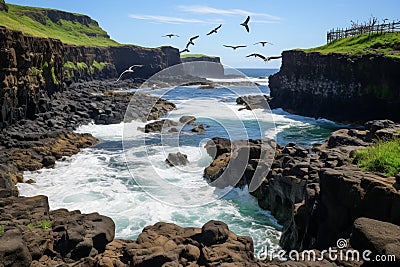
[(98, 180), (261, 80)]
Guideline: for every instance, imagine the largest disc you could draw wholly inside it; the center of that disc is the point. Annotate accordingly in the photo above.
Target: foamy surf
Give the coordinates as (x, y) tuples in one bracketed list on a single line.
[(95, 180), (98, 179)]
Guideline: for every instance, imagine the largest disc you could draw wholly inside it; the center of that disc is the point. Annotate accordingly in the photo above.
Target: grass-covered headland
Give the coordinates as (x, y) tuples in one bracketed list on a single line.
[(387, 43), (70, 28)]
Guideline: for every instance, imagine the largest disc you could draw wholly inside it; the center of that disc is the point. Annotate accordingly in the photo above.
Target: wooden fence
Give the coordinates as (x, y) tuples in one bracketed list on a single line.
[(335, 34)]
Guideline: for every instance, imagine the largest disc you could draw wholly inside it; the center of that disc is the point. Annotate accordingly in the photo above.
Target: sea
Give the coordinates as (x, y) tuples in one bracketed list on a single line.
[(120, 177)]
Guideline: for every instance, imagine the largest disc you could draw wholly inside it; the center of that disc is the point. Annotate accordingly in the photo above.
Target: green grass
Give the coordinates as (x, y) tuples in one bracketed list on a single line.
[(383, 157), (195, 55), (1, 230), (99, 65), (81, 65), (69, 65), (27, 20), (387, 43), (45, 225)]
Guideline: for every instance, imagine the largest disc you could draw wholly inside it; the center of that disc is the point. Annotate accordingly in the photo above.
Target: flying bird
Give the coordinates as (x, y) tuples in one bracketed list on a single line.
[(130, 69), (170, 35), (266, 59), (263, 43), (184, 50), (246, 24), (234, 47), (214, 30), (191, 40)]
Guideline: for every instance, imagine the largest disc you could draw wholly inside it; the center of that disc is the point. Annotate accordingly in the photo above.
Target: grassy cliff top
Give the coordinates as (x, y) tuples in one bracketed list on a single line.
[(70, 28), (196, 55), (387, 43)]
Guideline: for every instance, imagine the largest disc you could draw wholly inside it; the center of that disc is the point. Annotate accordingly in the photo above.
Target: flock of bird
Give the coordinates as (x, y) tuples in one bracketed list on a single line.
[(245, 24)]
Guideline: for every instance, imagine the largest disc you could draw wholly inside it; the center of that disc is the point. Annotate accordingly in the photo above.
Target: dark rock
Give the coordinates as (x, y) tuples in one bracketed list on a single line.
[(13, 249), (48, 161), (218, 146), (214, 232), (187, 119), (342, 138), (80, 235), (343, 90), (253, 101), (208, 67), (198, 129), (207, 86), (30, 181), (171, 245), (376, 125), (177, 159), (159, 126), (381, 238)]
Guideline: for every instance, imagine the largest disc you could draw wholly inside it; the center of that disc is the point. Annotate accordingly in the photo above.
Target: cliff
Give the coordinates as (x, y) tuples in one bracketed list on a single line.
[(338, 86), (33, 68), (70, 28), (206, 69)]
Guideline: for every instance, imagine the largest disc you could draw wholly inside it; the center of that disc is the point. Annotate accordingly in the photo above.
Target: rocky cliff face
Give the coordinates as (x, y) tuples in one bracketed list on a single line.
[(337, 87), (30, 68), (33, 68), (204, 69)]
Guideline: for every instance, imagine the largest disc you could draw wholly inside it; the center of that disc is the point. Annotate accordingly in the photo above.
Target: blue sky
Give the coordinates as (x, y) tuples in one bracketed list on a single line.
[(287, 24)]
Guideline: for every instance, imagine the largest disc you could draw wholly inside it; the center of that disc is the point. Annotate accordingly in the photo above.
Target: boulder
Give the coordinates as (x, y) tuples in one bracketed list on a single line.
[(177, 159), (214, 232), (79, 235), (376, 125), (198, 129), (165, 244), (159, 126), (381, 238), (253, 101), (13, 249), (187, 119)]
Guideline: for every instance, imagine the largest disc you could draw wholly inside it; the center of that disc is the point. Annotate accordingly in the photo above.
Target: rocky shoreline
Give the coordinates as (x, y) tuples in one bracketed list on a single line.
[(297, 190), (320, 195)]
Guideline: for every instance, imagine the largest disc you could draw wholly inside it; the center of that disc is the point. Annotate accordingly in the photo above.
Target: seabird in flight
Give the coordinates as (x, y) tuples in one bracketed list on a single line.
[(191, 41), (246, 24), (266, 59), (234, 47), (214, 30), (263, 43), (131, 69), (170, 35)]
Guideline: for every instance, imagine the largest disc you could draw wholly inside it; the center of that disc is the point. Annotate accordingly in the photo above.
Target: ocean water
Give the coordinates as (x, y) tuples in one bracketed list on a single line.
[(125, 176)]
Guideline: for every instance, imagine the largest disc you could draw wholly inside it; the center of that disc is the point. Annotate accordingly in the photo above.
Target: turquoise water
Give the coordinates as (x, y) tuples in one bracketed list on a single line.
[(111, 179)]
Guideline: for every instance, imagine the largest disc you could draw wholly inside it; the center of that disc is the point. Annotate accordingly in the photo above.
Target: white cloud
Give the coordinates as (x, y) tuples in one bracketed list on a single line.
[(210, 10), (264, 21), (165, 19)]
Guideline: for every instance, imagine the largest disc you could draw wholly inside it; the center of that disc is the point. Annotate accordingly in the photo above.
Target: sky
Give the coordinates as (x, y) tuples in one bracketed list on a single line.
[(288, 24)]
